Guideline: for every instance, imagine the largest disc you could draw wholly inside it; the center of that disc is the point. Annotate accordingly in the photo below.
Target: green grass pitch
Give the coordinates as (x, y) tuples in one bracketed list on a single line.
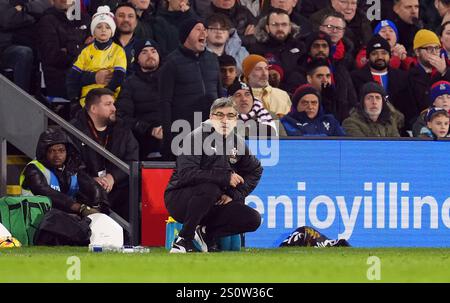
[(49, 264)]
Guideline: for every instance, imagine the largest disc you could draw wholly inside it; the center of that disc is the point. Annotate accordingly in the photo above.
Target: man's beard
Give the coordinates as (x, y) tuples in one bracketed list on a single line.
[(378, 66), (277, 38)]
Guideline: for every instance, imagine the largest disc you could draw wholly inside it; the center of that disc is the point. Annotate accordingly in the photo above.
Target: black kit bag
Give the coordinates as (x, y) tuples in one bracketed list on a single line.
[(61, 228), (308, 236)]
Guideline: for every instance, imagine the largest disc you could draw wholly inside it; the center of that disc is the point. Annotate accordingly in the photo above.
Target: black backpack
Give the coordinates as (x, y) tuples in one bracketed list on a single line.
[(61, 228)]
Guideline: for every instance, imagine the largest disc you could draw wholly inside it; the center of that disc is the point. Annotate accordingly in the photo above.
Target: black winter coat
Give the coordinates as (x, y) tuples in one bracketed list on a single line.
[(419, 83), (139, 105), (398, 89), (90, 191), (188, 84), (17, 27), (55, 33), (121, 143), (193, 169)]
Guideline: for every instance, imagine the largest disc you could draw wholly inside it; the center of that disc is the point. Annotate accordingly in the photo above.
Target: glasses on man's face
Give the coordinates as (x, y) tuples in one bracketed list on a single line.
[(334, 28), (432, 49), (217, 29), (281, 25), (348, 3), (220, 115)]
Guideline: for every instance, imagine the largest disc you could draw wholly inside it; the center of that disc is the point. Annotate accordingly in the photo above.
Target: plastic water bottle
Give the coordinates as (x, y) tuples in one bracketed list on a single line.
[(135, 249)]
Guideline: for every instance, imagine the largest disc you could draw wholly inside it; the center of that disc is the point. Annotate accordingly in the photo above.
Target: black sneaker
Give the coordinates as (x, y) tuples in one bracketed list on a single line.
[(182, 246), (199, 239)]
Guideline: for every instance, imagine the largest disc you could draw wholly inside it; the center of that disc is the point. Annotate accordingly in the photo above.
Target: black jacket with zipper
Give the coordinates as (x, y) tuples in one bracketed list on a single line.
[(189, 83), (216, 162)]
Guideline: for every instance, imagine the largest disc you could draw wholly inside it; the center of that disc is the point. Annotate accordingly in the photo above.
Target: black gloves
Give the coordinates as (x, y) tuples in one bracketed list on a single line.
[(86, 210)]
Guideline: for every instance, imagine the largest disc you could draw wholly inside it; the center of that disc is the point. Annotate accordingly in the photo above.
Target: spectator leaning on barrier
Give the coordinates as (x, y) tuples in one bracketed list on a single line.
[(372, 117), (190, 81), (437, 120), (102, 55), (57, 173), (440, 97), (98, 121), (307, 118), (256, 74), (207, 189), (139, 102)]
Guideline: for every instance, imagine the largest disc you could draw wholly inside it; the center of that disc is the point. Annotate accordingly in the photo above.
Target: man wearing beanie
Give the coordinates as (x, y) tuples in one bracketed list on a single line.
[(139, 102), (190, 81), (259, 121), (102, 54), (439, 97), (399, 57), (372, 117), (307, 117), (378, 69), (256, 73), (431, 67)]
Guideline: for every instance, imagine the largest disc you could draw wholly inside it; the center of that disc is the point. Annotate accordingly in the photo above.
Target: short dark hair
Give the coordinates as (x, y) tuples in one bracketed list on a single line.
[(125, 4), (94, 95), (227, 60), (442, 27), (276, 11), (222, 19), (334, 14), (222, 103), (314, 64)]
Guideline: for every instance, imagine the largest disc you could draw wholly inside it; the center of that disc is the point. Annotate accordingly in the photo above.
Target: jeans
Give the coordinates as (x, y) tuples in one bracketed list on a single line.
[(20, 59)]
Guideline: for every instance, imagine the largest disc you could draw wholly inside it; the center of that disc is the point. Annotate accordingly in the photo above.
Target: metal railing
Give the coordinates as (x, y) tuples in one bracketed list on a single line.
[(23, 119)]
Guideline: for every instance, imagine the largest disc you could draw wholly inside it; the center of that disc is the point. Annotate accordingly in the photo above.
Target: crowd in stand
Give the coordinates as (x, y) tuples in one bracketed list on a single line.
[(317, 67)]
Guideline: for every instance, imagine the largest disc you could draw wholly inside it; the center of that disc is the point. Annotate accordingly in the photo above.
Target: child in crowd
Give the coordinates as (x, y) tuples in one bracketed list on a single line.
[(101, 64), (438, 120)]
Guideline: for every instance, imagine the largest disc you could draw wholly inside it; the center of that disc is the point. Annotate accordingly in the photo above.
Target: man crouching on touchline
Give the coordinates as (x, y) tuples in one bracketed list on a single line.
[(214, 173)]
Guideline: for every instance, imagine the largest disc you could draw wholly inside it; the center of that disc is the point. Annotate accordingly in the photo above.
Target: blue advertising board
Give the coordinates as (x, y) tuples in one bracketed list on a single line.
[(373, 193)]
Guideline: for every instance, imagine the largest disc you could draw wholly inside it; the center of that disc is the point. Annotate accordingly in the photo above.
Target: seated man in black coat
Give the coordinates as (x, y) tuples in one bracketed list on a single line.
[(98, 121), (139, 103), (208, 187), (57, 173)]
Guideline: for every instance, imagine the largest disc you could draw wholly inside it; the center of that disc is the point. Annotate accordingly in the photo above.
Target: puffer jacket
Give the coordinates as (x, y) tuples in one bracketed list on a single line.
[(90, 192)]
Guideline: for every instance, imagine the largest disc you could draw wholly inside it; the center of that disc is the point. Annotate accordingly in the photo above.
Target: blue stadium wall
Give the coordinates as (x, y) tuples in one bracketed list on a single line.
[(373, 193)]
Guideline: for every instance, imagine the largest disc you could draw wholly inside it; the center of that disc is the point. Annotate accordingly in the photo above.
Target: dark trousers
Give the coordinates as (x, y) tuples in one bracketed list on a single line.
[(195, 205), (20, 59)]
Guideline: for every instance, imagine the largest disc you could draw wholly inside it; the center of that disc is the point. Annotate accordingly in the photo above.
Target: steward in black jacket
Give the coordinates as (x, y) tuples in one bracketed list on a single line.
[(58, 174), (214, 173)]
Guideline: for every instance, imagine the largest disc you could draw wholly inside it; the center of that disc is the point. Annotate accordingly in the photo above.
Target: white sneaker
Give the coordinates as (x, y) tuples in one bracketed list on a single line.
[(199, 239)]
